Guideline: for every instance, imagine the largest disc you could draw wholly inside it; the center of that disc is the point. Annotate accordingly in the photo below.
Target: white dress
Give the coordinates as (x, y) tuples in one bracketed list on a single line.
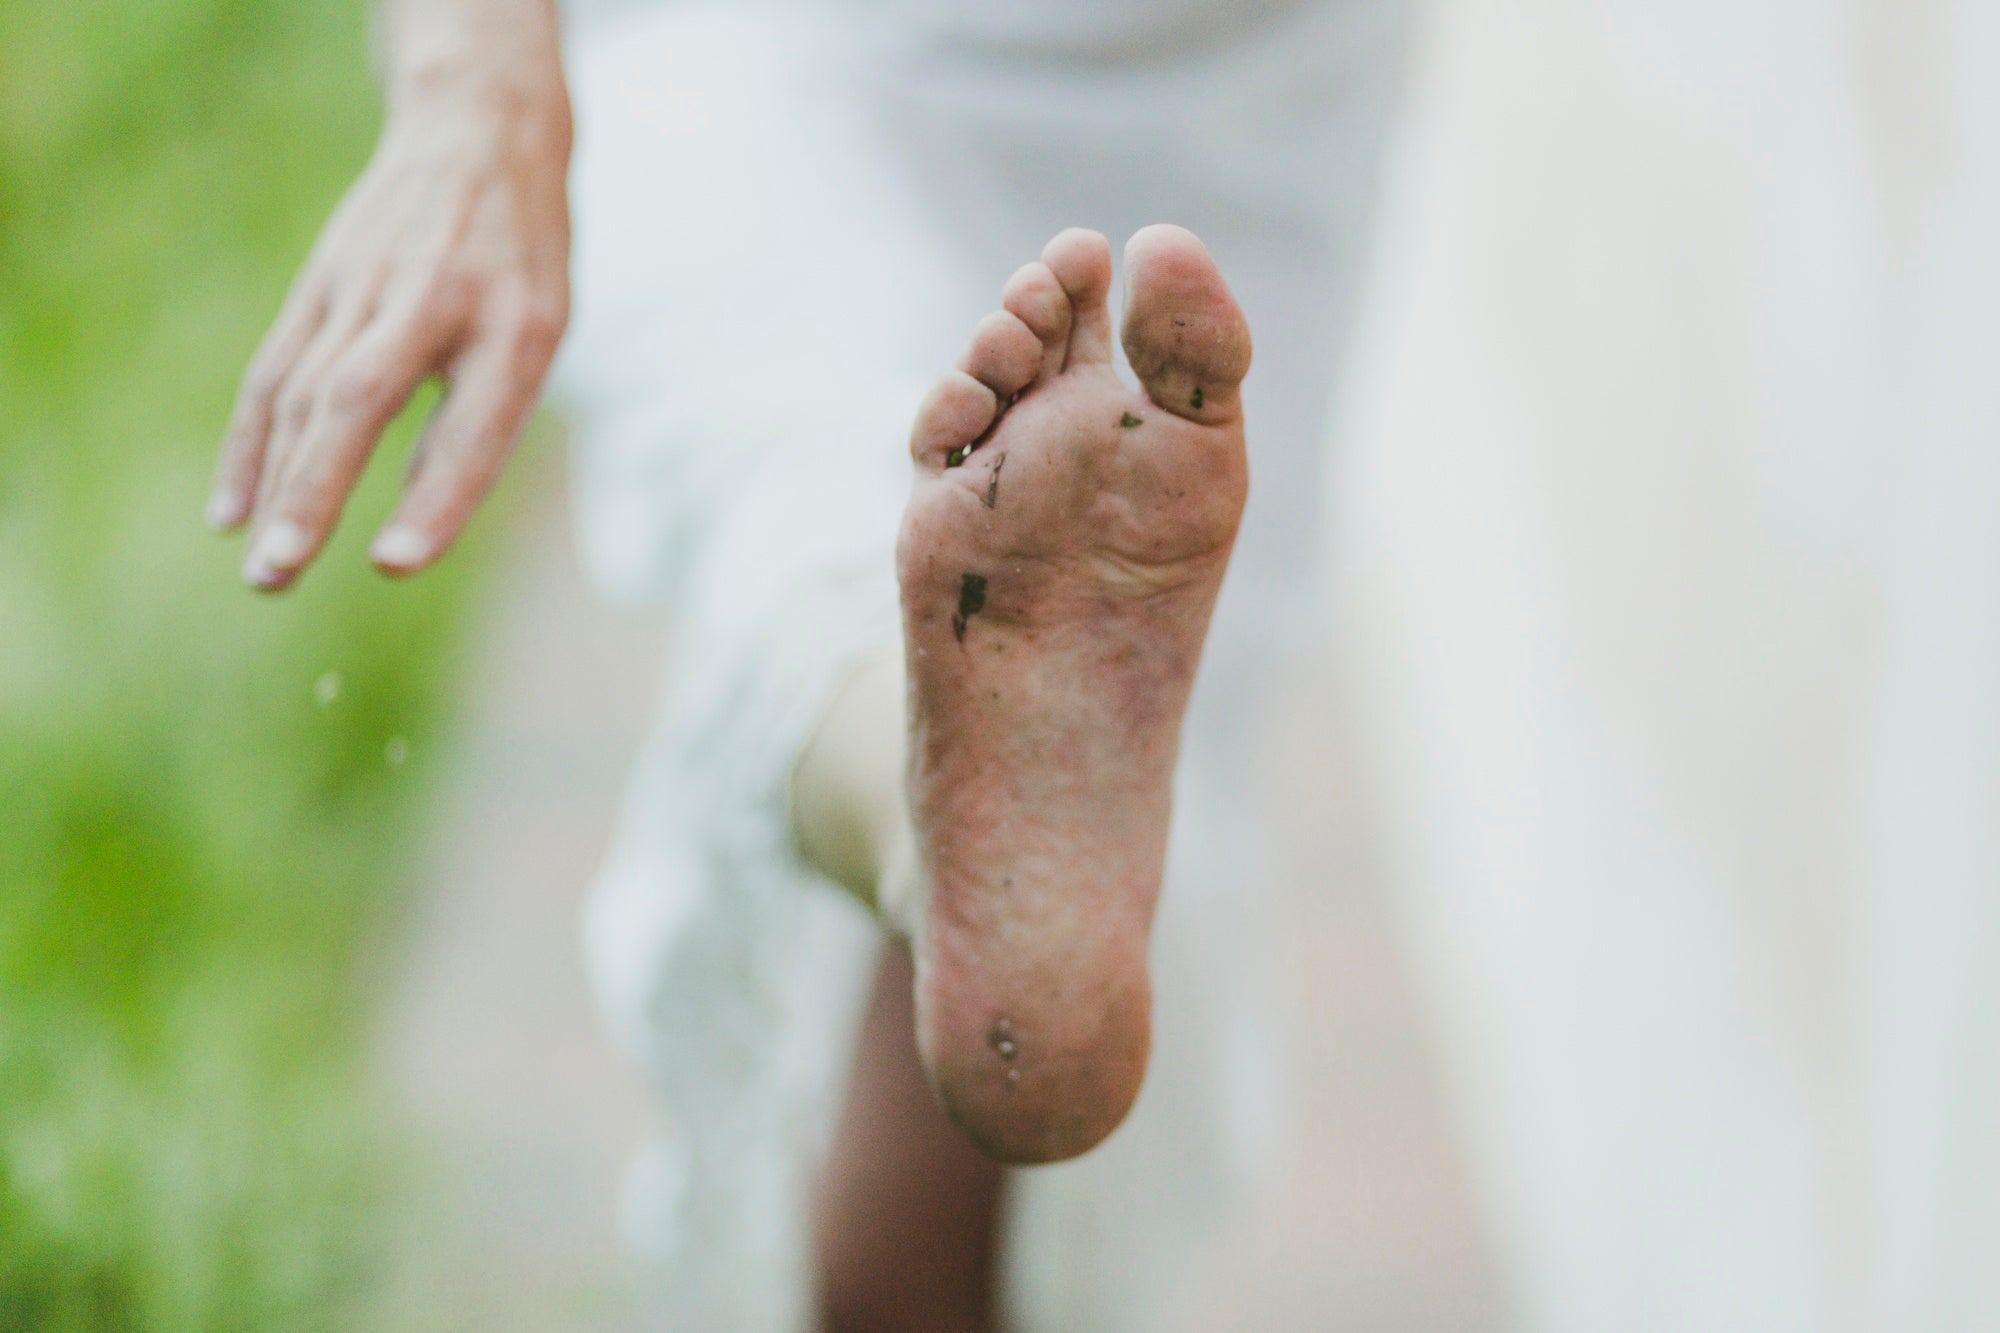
[(1673, 624), (787, 222)]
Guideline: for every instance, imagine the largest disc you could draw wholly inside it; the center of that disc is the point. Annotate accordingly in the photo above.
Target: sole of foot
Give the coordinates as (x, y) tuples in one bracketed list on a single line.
[(1062, 549)]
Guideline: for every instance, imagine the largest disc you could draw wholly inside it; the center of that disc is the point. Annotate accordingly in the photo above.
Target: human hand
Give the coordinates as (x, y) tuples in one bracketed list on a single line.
[(449, 257)]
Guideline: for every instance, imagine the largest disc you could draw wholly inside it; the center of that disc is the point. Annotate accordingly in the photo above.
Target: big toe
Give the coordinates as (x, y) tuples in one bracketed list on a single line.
[(1184, 334)]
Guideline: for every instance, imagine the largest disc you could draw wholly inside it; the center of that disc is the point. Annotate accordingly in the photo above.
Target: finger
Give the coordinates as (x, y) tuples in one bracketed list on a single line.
[(292, 405), (290, 414), (355, 399), (493, 388), (351, 307), (244, 440)]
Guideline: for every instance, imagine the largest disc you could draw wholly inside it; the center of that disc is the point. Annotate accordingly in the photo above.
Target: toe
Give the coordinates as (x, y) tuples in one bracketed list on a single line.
[(956, 411), (1004, 354), (1081, 262), (1184, 333), (1034, 297)]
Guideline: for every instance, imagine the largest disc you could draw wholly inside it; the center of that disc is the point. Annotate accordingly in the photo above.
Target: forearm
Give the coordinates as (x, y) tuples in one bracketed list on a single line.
[(502, 56)]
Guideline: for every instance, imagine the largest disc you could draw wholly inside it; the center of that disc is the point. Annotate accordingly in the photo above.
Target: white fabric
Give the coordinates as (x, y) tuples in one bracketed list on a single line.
[(787, 223), (1667, 553), (1670, 581)]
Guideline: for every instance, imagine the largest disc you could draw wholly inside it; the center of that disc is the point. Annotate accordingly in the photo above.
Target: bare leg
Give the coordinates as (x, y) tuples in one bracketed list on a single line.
[(909, 1209), (849, 814)]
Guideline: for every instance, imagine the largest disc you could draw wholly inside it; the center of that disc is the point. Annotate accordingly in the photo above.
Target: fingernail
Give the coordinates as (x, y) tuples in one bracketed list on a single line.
[(262, 576), (399, 547), (277, 551), (257, 571), (283, 545), (225, 511)]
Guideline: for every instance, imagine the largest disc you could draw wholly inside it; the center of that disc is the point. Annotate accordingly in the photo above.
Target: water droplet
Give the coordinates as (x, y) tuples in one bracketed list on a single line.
[(1013, 1076), (1006, 1048), (397, 750), (327, 688)]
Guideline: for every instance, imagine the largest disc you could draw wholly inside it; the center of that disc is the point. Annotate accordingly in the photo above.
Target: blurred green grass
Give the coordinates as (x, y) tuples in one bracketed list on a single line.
[(199, 860)]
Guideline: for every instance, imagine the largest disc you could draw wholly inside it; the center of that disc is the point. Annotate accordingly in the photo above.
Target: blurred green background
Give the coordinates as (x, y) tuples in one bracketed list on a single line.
[(207, 798)]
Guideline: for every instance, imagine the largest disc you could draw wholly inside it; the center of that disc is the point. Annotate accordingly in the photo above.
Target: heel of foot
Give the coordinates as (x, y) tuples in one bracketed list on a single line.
[(1032, 1086)]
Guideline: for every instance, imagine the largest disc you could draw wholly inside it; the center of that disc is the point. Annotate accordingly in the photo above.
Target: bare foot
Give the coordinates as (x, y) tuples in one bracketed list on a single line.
[(1059, 558)]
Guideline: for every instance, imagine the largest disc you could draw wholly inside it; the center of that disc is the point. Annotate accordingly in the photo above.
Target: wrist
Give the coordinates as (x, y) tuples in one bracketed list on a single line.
[(523, 109), (443, 85), (505, 69)]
